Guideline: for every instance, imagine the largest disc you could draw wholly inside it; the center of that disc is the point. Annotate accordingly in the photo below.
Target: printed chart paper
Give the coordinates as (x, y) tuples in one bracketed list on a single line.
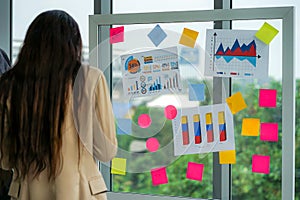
[(151, 73), (236, 53), (198, 130)]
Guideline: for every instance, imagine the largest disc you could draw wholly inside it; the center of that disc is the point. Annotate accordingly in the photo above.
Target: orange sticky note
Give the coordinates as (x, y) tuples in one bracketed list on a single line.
[(118, 166), (266, 33), (250, 127), (236, 102), (188, 37), (227, 157)]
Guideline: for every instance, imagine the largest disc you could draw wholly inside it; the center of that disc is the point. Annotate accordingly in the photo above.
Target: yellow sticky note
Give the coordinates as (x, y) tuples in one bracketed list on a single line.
[(188, 37), (266, 33), (227, 157), (208, 117), (250, 127), (236, 102), (118, 166)]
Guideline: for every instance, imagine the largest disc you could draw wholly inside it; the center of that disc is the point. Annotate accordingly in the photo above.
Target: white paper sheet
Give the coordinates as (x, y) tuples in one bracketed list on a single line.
[(204, 146), (236, 53), (151, 72)]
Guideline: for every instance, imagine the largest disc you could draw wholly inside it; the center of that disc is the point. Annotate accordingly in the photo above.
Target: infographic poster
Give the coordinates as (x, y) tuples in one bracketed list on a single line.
[(203, 129), (236, 53), (151, 72)]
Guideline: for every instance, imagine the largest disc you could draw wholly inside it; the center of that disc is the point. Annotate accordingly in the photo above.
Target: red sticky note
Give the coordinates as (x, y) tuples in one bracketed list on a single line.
[(269, 132), (159, 176), (170, 112), (117, 34), (267, 98), (152, 144), (194, 171), (144, 121), (261, 164)]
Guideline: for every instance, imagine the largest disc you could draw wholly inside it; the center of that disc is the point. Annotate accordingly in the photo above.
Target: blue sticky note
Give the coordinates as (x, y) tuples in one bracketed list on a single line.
[(196, 92), (124, 126), (157, 35)]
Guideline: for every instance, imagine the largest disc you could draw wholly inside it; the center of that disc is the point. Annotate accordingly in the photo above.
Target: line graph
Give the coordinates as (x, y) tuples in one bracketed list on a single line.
[(244, 52), (235, 53)]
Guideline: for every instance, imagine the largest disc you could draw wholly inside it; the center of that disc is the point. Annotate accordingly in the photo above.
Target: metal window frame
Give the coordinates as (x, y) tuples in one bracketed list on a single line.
[(6, 26), (286, 14)]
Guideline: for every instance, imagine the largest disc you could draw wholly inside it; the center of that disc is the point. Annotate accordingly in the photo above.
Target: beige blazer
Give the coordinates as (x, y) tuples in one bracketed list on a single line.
[(93, 120)]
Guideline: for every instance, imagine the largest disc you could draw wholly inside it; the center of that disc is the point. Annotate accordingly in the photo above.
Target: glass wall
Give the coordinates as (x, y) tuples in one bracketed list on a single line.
[(24, 13), (244, 182), (133, 143)]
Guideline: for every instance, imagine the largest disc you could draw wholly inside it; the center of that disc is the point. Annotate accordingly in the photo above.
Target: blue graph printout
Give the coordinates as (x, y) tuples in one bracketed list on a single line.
[(151, 72), (236, 53)]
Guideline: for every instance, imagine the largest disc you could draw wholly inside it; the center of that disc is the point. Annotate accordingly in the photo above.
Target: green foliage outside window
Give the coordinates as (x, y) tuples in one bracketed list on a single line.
[(245, 184)]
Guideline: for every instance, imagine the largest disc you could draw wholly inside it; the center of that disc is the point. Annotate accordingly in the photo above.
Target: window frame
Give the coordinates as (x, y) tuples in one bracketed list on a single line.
[(99, 46)]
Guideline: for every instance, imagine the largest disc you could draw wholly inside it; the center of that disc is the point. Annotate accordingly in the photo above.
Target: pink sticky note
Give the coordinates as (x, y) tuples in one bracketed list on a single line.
[(152, 144), (261, 164), (194, 171), (170, 112), (144, 121), (159, 176), (117, 34), (269, 132), (267, 98)]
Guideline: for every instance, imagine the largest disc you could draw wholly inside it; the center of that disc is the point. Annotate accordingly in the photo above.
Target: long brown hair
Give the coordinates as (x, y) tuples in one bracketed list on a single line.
[(34, 95)]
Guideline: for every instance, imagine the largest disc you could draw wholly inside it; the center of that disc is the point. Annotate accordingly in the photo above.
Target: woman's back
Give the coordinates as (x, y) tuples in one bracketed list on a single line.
[(43, 108)]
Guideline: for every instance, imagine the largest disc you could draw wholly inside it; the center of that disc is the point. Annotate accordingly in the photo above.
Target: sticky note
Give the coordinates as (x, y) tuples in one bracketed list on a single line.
[(227, 157), (236, 102), (269, 132), (157, 35), (188, 37), (170, 112), (267, 98), (116, 34), (266, 33), (250, 127), (124, 126), (118, 166), (152, 144), (159, 176), (196, 92), (194, 171), (144, 121), (261, 164)]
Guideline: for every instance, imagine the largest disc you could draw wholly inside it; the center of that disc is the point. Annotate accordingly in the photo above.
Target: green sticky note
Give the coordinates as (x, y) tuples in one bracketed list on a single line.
[(266, 33), (227, 157), (118, 166), (188, 37)]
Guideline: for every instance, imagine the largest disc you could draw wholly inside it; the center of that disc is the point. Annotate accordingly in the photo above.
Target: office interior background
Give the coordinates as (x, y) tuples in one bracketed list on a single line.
[(241, 183)]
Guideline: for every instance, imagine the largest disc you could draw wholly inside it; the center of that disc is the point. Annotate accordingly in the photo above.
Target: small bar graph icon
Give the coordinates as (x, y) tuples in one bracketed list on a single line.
[(171, 82), (185, 130), (197, 129), (156, 85), (222, 126), (209, 127), (133, 87)]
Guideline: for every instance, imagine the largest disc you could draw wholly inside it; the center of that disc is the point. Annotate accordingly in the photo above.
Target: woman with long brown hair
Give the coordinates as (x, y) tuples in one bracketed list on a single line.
[(39, 124)]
